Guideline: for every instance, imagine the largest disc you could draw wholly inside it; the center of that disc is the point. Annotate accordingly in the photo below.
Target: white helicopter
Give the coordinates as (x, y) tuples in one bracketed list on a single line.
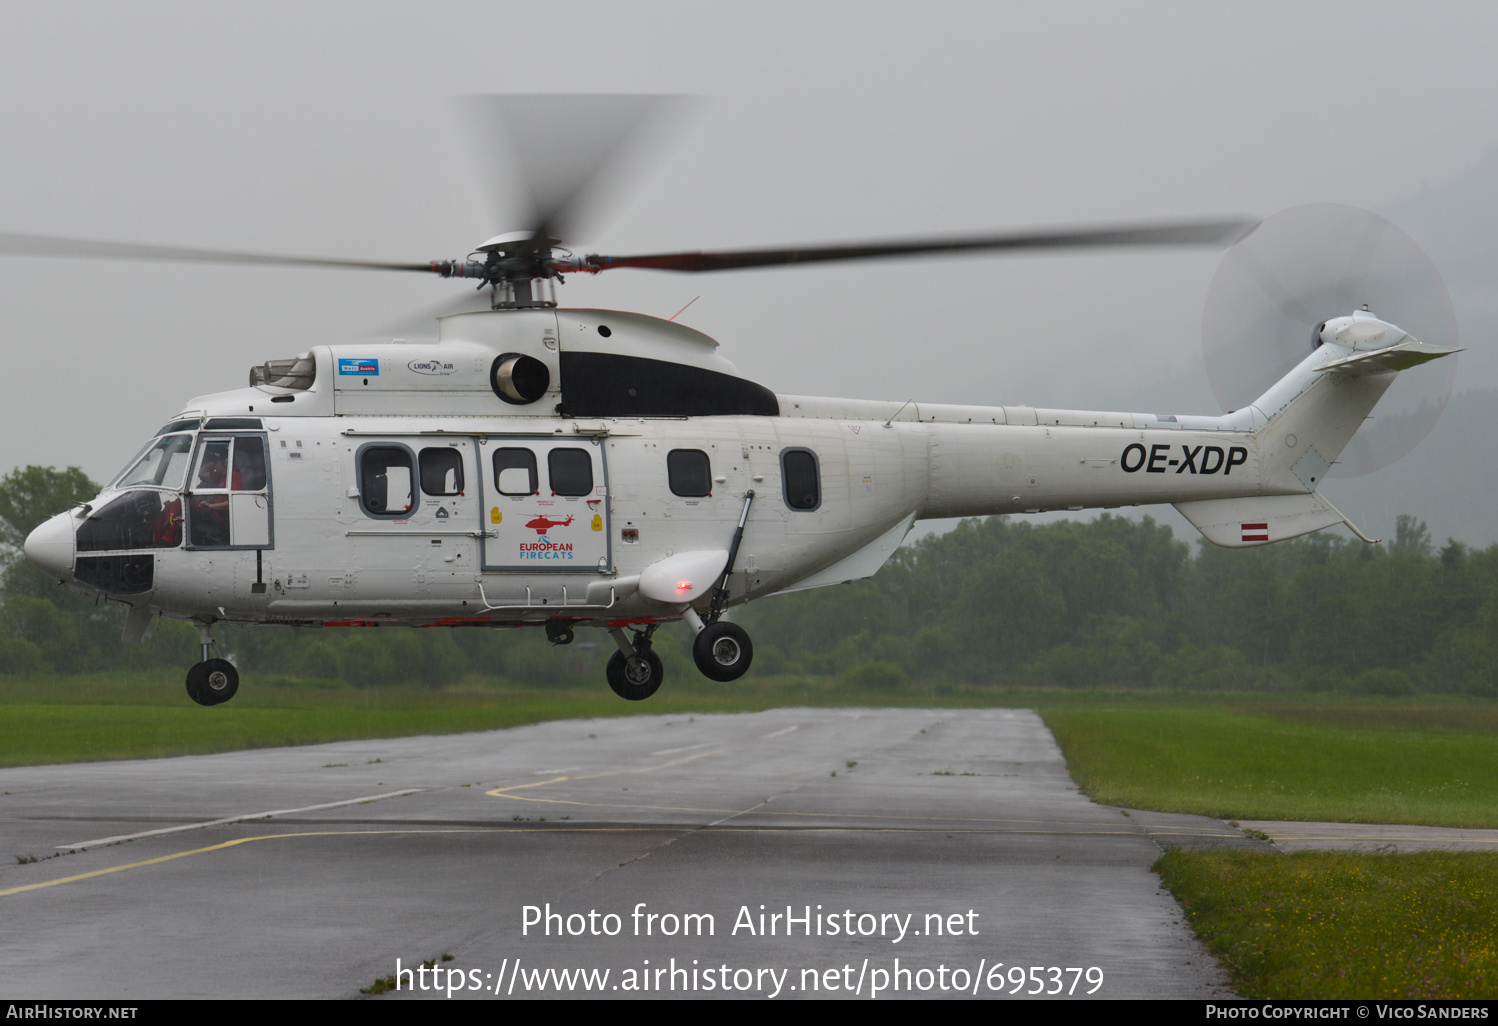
[(563, 468)]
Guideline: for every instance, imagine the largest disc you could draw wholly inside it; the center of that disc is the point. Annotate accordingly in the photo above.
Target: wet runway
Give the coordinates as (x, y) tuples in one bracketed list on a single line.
[(789, 853)]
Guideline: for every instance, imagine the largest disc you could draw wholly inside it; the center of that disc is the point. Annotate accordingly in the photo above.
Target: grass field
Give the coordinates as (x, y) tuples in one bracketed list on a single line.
[(1340, 925), (1419, 761), (148, 714)]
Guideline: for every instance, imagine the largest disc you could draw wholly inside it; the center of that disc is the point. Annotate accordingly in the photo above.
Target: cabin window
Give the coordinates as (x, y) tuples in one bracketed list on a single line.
[(515, 472), (689, 472), (442, 472), (571, 471), (163, 463), (385, 480), (801, 479)]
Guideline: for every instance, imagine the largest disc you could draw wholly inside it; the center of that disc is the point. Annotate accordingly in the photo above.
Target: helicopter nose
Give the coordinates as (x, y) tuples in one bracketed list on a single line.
[(50, 546)]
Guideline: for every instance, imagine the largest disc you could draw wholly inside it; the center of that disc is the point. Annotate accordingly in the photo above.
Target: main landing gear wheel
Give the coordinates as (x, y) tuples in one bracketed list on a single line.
[(636, 678), (212, 682), (723, 651)]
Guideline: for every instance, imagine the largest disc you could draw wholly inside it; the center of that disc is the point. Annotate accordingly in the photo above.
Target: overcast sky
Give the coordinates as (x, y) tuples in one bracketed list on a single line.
[(324, 129)]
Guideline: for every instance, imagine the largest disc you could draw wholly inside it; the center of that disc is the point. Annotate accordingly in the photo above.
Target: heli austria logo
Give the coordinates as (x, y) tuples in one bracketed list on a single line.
[(542, 548), (439, 368)]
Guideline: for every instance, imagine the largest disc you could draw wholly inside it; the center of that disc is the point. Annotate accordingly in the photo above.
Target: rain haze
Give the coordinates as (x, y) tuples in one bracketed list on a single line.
[(329, 130)]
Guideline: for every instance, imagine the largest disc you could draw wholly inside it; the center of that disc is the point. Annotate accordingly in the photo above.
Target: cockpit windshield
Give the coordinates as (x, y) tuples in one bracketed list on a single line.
[(163, 464)]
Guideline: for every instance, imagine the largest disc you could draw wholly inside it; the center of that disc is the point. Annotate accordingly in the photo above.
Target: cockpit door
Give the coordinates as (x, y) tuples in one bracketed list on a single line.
[(229, 496)]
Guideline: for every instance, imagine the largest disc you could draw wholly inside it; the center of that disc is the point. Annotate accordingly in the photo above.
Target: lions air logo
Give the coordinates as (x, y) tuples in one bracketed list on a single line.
[(430, 367), (542, 548)]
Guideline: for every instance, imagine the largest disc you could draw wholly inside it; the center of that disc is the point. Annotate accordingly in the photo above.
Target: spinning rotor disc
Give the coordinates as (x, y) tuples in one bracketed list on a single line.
[(1304, 266)]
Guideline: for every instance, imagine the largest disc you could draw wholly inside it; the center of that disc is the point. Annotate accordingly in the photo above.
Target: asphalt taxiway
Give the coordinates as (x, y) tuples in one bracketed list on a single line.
[(307, 872)]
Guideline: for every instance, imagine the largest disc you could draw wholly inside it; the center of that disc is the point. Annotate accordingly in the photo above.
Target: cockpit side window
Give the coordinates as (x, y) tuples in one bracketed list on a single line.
[(228, 497), (162, 464), (213, 466), (249, 464), (135, 520)]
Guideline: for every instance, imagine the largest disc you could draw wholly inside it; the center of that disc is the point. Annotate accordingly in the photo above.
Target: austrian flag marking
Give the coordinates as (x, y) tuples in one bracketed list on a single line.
[(1256, 532)]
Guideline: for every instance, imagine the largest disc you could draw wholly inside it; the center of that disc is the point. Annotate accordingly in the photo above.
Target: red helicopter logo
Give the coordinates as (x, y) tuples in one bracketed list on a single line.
[(544, 523)]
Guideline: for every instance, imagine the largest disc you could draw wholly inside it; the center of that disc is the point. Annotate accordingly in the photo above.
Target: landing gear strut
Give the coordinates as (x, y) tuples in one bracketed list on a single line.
[(634, 672), (212, 681), (722, 650)]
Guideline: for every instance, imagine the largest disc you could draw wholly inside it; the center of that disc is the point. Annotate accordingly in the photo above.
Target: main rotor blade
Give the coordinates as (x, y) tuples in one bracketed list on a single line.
[(562, 149), (90, 249), (1189, 233)]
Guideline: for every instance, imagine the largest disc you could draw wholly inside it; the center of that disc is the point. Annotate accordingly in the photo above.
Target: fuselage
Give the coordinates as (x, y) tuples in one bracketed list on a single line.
[(405, 484)]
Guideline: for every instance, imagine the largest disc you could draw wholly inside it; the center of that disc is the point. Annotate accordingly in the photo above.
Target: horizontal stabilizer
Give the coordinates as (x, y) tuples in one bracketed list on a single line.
[(1407, 354), (1260, 519)]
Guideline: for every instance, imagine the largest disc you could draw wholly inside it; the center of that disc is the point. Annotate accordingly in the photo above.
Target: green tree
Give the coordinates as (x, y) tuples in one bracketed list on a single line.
[(29, 496)]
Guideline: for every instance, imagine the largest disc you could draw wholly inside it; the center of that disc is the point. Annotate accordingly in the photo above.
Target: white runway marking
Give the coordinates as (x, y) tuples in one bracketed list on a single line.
[(99, 843), (688, 748), (782, 730)]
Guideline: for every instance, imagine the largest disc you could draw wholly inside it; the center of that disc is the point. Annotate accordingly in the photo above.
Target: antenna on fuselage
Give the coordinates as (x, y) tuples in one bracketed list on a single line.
[(901, 410)]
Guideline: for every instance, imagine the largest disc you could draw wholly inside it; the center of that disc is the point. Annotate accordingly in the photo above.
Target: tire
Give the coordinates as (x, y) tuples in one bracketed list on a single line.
[(723, 651), (212, 682), (636, 682)]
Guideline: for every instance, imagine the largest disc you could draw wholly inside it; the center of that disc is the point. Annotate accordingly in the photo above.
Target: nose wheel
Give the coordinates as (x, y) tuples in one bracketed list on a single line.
[(212, 682)]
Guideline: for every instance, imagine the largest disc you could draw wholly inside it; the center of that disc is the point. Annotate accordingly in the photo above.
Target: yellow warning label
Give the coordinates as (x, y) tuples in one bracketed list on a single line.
[(597, 521), (495, 516)]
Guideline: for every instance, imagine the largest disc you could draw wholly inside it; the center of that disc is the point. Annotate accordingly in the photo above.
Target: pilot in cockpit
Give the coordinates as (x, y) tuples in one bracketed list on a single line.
[(211, 512), (215, 463)]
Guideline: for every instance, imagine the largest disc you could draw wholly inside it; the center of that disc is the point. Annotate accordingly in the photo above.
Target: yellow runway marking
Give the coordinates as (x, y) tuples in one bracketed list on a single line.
[(498, 830), (503, 792), (309, 833)]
